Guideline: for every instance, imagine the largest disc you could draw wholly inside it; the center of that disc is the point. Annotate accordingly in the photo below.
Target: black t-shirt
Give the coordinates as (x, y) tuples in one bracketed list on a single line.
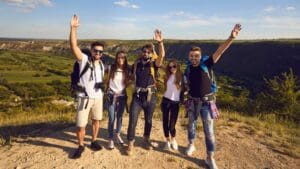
[(143, 74), (199, 82)]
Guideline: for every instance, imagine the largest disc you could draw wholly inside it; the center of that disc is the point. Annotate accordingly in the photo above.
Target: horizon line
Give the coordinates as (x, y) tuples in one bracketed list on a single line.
[(22, 38)]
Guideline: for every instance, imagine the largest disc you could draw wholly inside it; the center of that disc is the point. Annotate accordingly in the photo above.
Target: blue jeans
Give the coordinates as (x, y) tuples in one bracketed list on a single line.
[(116, 109), (203, 109), (137, 104)]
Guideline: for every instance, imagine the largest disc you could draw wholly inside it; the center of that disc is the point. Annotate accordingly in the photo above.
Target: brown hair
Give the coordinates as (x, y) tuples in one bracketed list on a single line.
[(149, 47), (195, 48), (178, 74), (96, 44), (116, 65)]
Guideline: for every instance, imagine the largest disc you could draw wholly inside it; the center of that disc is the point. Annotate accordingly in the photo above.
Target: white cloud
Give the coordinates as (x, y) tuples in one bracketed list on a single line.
[(187, 20), (178, 13), (269, 9), (126, 4), (27, 5), (283, 22), (290, 8)]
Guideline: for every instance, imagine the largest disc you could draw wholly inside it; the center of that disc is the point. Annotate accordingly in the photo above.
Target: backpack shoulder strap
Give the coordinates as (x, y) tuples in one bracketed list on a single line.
[(85, 69), (101, 68), (152, 71), (204, 67), (134, 70)]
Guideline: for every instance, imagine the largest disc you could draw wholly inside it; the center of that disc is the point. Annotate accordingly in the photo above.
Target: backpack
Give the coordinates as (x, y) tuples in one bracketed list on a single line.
[(210, 74), (76, 74)]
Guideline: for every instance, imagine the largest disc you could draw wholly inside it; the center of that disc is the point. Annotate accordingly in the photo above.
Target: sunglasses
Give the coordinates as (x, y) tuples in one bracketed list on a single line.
[(195, 56), (174, 66), (146, 51), (121, 57), (98, 51)]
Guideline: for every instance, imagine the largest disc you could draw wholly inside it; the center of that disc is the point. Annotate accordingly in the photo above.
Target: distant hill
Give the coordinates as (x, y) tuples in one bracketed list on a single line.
[(246, 60)]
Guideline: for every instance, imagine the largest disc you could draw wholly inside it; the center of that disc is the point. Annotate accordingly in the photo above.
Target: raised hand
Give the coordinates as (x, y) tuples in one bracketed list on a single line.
[(158, 36), (235, 31), (73, 38), (75, 21)]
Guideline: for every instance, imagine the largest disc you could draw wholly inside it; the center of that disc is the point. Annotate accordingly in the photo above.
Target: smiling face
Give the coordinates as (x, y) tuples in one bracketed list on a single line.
[(97, 52), (147, 52), (195, 56), (172, 67), (121, 57)]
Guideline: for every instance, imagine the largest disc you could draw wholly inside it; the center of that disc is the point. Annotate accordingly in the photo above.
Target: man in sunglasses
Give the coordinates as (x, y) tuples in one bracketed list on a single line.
[(90, 98), (201, 95), (144, 95)]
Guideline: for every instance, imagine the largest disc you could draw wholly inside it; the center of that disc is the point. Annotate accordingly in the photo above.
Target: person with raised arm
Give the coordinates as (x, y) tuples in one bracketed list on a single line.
[(201, 88), (144, 96), (90, 89)]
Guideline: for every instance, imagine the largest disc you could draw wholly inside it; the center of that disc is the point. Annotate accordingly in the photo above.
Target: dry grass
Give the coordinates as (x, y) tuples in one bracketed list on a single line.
[(280, 136)]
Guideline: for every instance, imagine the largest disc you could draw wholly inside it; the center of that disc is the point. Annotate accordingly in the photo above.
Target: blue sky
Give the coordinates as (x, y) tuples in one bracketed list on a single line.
[(137, 19)]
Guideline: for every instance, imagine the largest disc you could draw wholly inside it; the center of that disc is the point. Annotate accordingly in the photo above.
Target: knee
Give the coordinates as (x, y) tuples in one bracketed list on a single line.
[(208, 130), (95, 122), (80, 129)]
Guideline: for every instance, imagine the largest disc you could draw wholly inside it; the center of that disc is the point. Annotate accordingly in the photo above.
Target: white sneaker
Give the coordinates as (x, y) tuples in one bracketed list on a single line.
[(119, 139), (191, 148), (167, 146), (211, 163), (111, 144), (174, 144)]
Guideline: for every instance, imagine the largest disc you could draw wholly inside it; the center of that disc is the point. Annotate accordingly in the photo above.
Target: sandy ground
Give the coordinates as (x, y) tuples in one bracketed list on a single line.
[(52, 149)]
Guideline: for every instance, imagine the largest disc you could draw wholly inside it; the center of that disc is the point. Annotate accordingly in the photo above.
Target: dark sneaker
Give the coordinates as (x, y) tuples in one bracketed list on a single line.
[(78, 152), (130, 148), (148, 144), (95, 145)]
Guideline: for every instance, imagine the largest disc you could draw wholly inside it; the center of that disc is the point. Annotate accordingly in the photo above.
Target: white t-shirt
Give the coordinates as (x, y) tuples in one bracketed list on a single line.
[(116, 84), (88, 82), (172, 92)]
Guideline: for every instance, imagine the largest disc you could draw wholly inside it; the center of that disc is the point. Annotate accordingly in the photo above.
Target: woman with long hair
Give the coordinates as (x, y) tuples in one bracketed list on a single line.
[(116, 95), (170, 102)]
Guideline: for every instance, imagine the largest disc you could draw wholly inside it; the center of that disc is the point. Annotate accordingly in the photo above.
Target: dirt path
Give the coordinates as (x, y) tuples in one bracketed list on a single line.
[(235, 150)]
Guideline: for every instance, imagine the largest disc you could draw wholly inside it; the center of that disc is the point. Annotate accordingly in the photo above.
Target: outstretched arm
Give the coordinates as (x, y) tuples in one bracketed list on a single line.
[(222, 48), (158, 37), (73, 38)]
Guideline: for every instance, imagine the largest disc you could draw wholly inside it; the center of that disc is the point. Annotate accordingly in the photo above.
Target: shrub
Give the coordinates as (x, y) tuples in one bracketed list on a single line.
[(281, 96)]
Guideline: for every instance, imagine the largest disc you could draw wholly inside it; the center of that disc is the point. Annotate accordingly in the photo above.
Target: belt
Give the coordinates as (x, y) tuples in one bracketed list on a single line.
[(149, 90), (206, 98)]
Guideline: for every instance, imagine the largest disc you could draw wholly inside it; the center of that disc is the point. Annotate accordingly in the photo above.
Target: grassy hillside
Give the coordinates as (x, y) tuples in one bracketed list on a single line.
[(30, 82)]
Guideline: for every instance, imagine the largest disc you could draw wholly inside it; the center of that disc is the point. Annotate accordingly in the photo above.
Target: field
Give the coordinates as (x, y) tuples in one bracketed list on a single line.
[(35, 89), (32, 67)]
